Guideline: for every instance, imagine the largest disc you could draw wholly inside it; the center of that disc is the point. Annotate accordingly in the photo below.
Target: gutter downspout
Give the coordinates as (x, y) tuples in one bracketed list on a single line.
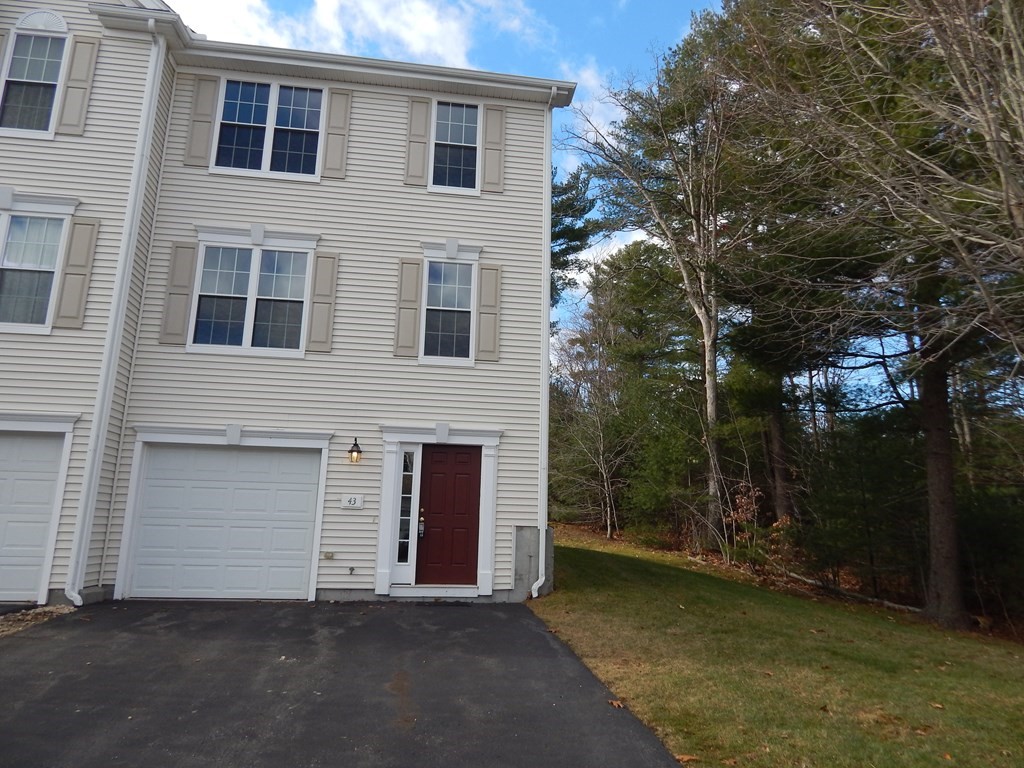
[(545, 362), (115, 332)]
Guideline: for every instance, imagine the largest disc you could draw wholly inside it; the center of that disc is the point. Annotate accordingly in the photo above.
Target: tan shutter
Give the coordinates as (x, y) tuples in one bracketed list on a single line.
[(419, 142), (321, 305), (178, 301), (339, 105), (488, 313), (78, 85), (69, 311), (407, 324), (204, 117), (492, 172), (3, 42)]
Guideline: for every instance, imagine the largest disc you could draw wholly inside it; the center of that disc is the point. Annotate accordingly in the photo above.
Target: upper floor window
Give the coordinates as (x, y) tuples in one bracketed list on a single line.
[(269, 127), (32, 72), (29, 261), (456, 136)]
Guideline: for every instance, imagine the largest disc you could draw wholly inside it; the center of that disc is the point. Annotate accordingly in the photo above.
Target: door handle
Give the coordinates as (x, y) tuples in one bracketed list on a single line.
[(422, 525)]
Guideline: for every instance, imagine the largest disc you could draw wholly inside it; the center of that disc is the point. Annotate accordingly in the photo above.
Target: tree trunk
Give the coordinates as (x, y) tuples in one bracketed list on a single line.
[(782, 500), (709, 328), (944, 602)]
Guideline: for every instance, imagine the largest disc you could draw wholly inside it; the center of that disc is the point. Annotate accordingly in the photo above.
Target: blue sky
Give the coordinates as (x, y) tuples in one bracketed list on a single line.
[(595, 44)]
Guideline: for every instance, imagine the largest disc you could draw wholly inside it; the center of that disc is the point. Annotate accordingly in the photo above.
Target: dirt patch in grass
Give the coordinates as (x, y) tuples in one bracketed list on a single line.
[(12, 623)]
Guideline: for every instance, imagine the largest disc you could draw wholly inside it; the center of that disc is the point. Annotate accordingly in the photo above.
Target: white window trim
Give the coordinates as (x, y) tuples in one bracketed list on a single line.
[(453, 251), (23, 28), (230, 434), (398, 438), (268, 141), (55, 424), (256, 237), (43, 208), (463, 191)]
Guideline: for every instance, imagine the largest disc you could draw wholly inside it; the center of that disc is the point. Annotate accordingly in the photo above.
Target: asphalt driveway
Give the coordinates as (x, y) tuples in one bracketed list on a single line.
[(159, 684)]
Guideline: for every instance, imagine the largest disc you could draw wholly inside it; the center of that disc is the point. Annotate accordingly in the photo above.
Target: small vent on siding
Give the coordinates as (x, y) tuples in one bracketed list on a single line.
[(47, 21)]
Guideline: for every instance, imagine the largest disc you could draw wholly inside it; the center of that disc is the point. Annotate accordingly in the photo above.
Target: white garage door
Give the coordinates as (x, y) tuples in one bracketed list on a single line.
[(224, 522), (29, 466)]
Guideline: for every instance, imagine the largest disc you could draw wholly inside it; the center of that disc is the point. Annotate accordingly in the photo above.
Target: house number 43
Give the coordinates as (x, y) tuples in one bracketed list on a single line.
[(352, 501)]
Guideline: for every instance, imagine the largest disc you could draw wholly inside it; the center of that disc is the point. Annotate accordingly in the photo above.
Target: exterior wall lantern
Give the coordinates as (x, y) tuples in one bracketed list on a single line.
[(355, 453)]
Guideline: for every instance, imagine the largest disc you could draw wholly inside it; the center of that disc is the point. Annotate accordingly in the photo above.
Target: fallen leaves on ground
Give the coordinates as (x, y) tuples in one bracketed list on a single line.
[(15, 622), (687, 758)]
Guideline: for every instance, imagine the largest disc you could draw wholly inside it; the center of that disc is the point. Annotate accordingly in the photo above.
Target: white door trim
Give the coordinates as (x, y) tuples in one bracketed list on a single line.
[(55, 424), (231, 434), (397, 437)]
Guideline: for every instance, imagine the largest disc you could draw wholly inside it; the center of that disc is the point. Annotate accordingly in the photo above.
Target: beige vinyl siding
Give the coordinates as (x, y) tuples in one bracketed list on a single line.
[(372, 219), (59, 372), (113, 463)]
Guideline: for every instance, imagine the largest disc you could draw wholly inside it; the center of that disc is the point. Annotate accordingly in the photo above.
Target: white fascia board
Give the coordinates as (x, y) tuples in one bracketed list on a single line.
[(374, 72)]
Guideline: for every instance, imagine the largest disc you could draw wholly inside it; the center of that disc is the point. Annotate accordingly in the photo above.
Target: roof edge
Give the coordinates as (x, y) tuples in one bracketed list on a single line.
[(194, 50)]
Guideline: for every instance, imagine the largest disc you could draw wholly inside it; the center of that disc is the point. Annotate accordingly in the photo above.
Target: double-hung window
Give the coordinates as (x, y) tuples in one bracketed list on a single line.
[(251, 297), (30, 81), (269, 127), (456, 140), (29, 261), (448, 318)]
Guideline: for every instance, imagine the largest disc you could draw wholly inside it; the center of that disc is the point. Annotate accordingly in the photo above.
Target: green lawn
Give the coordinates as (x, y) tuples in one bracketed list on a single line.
[(737, 674)]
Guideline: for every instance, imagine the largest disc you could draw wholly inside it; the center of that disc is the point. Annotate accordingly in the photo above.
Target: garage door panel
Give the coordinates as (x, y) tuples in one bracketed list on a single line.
[(244, 530), (23, 538), (29, 470)]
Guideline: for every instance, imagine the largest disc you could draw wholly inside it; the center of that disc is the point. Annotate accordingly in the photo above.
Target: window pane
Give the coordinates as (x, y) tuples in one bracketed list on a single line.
[(27, 106), (455, 166), (403, 551), (294, 151), (226, 271), (278, 324), (36, 58), (446, 333), (282, 275), (298, 108), (240, 147), (24, 296), (246, 102), (220, 320), (407, 462), (33, 241)]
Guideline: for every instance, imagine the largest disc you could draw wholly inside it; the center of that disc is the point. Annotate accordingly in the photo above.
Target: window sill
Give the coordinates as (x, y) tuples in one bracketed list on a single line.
[(34, 330), (23, 133), (460, 191), (216, 349), (308, 178), (447, 362)]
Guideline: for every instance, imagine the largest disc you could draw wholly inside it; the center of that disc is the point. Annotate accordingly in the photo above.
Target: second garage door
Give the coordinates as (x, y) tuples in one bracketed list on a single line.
[(224, 522)]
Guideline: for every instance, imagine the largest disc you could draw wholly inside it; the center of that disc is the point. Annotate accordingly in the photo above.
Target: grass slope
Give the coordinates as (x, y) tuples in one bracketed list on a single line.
[(732, 673)]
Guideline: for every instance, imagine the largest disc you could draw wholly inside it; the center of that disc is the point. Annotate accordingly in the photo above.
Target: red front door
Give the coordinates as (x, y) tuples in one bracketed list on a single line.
[(450, 508)]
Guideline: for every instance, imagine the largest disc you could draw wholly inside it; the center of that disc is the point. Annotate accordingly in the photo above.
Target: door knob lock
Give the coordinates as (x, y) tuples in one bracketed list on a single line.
[(422, 526)]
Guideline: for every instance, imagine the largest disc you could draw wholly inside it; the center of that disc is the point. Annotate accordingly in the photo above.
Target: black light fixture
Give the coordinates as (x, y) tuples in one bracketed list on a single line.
[(355, 453)]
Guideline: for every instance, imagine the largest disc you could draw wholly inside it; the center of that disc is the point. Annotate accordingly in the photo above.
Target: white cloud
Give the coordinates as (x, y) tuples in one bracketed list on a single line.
[(428, 31), (236, 21)]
